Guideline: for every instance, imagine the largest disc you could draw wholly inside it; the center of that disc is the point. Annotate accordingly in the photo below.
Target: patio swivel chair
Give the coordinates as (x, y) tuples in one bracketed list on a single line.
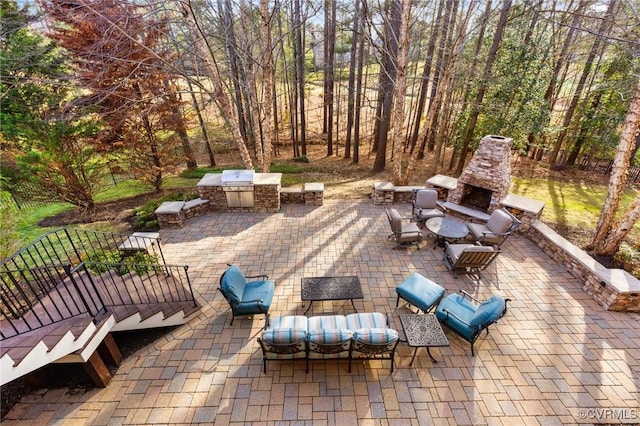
[(404, 232), (468, 258), (468, 316), (426, 205), (247, 297), (500, 225)]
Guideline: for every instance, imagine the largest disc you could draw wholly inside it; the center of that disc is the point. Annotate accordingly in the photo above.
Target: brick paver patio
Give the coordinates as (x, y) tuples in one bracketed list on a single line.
[(556, 358)]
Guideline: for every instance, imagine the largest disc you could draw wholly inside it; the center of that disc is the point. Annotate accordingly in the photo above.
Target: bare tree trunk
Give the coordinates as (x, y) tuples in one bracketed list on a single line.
[(267, 83), (181, 130), (486, 75), (400, 94), (298, 28), (203, 127), (605, 24), (355, 37), (236, 72), (445, 37), (424, 84), (217, 91), (468, 85), (359, 66), (387, 78), (608, 234), (329, 70), (582, 135)]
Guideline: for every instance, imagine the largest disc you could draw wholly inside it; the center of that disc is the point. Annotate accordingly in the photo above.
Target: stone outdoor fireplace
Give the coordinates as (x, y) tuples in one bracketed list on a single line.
[(487, 177)]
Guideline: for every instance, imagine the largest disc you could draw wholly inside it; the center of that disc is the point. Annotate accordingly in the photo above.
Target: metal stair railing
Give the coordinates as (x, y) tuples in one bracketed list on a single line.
[(134, 284), (70, 272), (37, 297)]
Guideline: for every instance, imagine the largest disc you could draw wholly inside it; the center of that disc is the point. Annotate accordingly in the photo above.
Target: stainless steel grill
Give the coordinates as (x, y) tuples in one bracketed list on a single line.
[(238, 187)]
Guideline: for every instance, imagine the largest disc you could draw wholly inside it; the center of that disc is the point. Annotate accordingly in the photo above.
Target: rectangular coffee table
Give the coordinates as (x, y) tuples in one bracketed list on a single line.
[(317, 289), (423, 331)]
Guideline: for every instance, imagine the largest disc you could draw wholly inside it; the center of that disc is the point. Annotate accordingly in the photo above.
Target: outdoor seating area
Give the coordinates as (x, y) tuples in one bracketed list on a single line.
[(325, 337), (556, 355)]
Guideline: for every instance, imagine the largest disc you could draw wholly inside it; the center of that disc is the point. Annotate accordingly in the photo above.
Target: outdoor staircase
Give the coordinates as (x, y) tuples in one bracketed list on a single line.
[(54, 314)]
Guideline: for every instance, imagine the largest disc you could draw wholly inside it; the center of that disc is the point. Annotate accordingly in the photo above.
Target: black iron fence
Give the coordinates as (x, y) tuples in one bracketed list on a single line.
[(592, 163)]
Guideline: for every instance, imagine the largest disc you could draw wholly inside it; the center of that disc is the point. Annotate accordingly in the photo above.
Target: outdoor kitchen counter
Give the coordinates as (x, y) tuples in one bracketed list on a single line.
[(260, 194), (215, 179)]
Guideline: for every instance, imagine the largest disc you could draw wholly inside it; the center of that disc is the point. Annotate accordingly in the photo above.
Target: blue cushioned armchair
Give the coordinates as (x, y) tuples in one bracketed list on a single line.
[(246, 297), (468, 316)]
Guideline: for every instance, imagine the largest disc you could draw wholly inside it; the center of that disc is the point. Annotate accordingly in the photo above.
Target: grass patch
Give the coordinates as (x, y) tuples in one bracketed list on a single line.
[(199, 172), (568, 203), (287, 168), (123, 189)]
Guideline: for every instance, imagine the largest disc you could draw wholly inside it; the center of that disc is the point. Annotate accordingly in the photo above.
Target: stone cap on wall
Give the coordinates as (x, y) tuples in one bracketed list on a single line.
[(523, 203), (619, 279), (215, 179), (443, 181)]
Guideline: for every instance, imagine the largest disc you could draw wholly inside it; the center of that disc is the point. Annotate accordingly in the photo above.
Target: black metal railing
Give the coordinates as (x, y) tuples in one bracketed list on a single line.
[(70, 272), (135, 284), (41, 296)]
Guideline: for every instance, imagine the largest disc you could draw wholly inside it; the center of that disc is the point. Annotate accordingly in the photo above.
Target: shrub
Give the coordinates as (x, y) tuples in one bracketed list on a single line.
[(145, 217), (104, 261), (629, 258)]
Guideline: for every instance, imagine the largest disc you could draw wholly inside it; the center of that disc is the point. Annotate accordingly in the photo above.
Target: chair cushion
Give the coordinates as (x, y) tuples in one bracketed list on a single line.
[(499, 222), (481, 232), (322, 322), (329, 343), (366, 320), (261, 295), (488, 311), (290, 321), (330, 336), (426, 199), (420, 291), (425, 214), (461, 307), (284, 336), (375, 336), (233, 284), (410, 233), (396, 221)]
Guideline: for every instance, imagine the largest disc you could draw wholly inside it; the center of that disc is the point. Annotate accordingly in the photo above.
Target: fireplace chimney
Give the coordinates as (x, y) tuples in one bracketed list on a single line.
[(487, 178)]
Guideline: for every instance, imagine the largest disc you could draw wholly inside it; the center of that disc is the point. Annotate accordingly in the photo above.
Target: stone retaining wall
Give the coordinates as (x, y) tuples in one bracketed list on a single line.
[(613, 289), (385, 193)]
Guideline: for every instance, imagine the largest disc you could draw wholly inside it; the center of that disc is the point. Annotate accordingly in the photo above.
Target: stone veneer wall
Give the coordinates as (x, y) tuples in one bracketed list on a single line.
[(215, 195), (613, 289), (489, 168), (266, 198), (386, 193)]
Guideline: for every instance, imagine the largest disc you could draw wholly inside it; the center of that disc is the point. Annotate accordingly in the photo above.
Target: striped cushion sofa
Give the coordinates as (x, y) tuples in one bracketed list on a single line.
[(354, 336)]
